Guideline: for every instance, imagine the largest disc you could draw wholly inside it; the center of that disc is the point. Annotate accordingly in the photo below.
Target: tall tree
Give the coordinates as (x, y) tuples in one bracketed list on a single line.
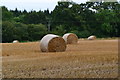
[(6, 14)]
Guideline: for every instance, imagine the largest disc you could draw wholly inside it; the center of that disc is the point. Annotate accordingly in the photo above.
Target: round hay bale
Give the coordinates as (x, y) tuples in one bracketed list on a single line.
[(82, 39), (52, 43), (92, 37), (15, 41), (70, 38)]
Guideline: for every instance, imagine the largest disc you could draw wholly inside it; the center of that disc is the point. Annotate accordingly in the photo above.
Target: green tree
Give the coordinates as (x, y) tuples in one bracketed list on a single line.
[(36, 31), (6, 14), (7, 31), (34, 17), (21, 31)]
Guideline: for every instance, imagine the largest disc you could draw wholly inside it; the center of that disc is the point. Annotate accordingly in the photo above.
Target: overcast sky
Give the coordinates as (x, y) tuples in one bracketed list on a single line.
[(32, 4)]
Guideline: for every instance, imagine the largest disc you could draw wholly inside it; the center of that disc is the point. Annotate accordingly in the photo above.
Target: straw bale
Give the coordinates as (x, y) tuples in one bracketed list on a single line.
[(52, 43), (70, 38)]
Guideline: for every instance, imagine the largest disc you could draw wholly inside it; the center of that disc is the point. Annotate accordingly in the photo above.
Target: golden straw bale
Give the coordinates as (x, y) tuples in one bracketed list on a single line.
[(52, 43), (92, 37), (70, 38)]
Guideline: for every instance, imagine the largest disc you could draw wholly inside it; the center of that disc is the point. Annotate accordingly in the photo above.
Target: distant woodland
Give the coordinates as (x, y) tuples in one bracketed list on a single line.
[(91, 18)]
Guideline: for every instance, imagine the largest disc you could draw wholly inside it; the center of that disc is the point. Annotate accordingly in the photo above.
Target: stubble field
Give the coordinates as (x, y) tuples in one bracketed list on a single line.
[(87, 59)]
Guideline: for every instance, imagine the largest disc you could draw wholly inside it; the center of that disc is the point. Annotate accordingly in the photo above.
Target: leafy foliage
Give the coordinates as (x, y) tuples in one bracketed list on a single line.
[(91, 18)]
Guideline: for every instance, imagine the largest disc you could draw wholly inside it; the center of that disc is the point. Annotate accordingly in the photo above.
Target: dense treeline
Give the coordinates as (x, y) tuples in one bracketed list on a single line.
[(85, 19)]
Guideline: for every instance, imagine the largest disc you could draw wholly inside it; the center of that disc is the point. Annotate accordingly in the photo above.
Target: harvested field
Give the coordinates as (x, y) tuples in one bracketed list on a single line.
[(87, 59)]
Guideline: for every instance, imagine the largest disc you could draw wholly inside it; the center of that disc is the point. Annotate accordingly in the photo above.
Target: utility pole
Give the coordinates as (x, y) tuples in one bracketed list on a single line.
[(48, 23)]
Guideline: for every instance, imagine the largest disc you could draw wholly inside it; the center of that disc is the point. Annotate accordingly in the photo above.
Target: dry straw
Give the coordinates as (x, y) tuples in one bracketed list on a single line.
[(92, 37), (70, 38), (52, 43)]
